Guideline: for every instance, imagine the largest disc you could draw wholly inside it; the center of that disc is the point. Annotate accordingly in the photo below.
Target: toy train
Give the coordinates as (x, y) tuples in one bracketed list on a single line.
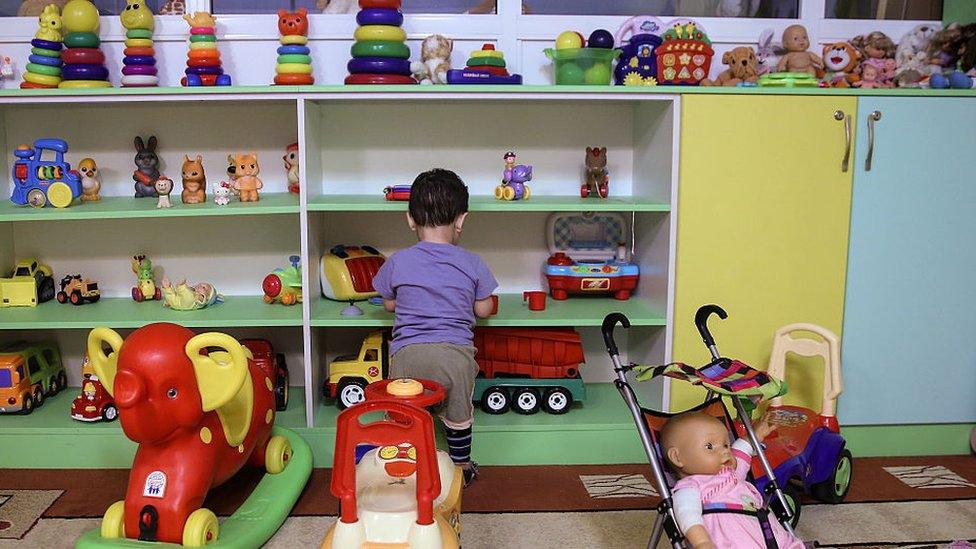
[(38, 180)]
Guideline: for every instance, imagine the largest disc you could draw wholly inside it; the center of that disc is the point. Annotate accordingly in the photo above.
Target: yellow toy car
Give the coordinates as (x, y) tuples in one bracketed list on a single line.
[(30, 283)]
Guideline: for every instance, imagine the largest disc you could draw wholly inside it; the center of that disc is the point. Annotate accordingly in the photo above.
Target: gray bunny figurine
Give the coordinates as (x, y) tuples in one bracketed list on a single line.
[(147, 172)]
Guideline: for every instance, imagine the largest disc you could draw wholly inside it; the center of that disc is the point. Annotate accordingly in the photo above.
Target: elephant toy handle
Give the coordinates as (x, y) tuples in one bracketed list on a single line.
[(221, 372), (105, 366)]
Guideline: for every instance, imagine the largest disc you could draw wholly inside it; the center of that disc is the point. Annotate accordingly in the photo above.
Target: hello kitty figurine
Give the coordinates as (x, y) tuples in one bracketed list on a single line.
[(222, 194), (163, 186), (6, 68)]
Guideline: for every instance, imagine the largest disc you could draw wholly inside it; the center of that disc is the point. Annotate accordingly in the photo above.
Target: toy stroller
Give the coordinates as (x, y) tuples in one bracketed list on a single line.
[(722, 376)]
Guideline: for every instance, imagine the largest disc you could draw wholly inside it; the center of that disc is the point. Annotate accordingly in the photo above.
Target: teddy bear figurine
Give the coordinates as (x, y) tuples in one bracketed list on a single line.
[(796, 41), (742, 68), (435, 60), (194, 181), (841, 61), (247, 184)]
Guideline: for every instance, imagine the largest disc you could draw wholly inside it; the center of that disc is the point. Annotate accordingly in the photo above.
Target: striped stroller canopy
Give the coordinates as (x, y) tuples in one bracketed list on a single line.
[(724, 376)]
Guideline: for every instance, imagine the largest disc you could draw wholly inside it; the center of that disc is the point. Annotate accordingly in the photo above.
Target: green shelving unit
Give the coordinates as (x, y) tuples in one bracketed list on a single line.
[(480, 203), (121, 207)]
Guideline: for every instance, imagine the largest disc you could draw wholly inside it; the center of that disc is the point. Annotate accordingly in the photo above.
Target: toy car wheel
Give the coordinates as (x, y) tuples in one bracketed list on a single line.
[(527, 401), (113, 522), (62, 381), (200, 529), (158, 294), (28, 405), (526, 193), (136, 295), (45, 290), (277, 454), (834, 489), (62, 297), (53, 387), (495, 401), (508, 193), (75, 298), (281, 383), (556, 400), (500, 192), (59, 194), (792, 495), (110, 413), (36, 198), (584, 191), (350, 392), (94, 298), (38, 398), (604, 191)]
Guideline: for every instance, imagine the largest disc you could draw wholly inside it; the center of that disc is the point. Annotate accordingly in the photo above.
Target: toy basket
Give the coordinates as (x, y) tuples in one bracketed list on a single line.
[(583, 66)]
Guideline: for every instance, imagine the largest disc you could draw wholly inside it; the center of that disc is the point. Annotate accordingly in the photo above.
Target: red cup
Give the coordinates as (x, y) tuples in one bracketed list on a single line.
[(537, 300), (494, 304)]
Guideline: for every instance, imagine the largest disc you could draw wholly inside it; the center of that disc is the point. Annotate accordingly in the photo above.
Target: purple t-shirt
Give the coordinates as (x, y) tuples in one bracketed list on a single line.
[(435, 287)]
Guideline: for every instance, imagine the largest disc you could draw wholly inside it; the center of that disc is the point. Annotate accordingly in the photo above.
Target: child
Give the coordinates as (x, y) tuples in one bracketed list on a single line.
[(437, 289), (712, 476)]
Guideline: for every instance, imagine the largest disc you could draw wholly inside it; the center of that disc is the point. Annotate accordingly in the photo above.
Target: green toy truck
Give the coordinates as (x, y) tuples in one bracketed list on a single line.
[(29, 373)]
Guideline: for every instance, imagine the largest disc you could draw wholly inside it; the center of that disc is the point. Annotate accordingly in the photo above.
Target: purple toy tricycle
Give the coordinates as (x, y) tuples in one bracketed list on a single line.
[(514, 180)]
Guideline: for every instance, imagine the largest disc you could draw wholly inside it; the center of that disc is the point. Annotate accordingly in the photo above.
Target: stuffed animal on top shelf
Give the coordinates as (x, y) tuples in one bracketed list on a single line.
[(841, 61), (943, 49), (911, 57), (964, 77), (742, 68), (879, 51), (768, 53), (435, 60), (796, 41)]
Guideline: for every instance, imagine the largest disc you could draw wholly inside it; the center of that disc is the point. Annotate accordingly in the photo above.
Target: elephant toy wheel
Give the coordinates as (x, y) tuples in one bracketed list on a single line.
[(508, 193), (200, 529), (499, 192), (527, 193), (277, 455), (113, 522)]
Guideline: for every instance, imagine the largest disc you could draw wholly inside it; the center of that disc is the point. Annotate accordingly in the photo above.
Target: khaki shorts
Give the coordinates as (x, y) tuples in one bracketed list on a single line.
[(453, 366)]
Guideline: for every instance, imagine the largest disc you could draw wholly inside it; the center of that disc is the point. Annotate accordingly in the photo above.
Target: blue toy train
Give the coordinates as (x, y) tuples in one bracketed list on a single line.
[(38, 180)]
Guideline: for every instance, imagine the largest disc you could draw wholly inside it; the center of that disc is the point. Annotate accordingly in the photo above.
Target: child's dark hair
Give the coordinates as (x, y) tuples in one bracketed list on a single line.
[(437, 198)]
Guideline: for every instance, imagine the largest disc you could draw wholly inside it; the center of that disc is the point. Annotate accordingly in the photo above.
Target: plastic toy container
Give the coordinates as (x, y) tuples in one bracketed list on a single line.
[(583, 66)]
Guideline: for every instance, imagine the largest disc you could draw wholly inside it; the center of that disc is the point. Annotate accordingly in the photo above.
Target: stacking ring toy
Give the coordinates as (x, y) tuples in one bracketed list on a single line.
[(33, 86), (203, 46), (90, 56), (46, 44), (84, 72), (84, 84), (487, 53), (83, 40), (294, 50), (486, 61), (379, 79), (203, 54), (139, 51), (222, 80), (379, 4), (133, 70), (202, 38), (43, 69), (138, 60), (41, 60), (380, 48), (138, 33), (494, 71), (137, 80), (204, 70), (293, 40), (203, 62), (138, 43), (46, 53), (293, 68), (378, 65), (42, 79), (202, 30), (379, 17), (380, 32), (200, 79), (294, 79), (300, 59)]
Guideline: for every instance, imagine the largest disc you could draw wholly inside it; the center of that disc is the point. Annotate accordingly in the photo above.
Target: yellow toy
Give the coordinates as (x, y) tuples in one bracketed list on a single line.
[(147, 289), (80, 16), (200, 19), (91, 184), (137, 15), (50, 24)]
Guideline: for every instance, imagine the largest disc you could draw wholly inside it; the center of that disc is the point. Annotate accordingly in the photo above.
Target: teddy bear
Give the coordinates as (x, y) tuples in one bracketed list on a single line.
[(911, 59), (742, 68), (435, 55), (247, 184), (840, 61), (194, 181), (797, 58)]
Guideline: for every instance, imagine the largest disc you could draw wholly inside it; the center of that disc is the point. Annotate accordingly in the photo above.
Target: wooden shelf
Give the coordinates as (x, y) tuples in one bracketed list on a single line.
[(481, 203), (127, 207), (123, 312), (579, 311)]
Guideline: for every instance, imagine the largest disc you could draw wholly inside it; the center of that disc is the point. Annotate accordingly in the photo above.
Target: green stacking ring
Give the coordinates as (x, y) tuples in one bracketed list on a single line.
[(486, 62), (45, 53), (43, 69), (202, 38), (295, 58), (381, 48), (138, 33), (81, 40)]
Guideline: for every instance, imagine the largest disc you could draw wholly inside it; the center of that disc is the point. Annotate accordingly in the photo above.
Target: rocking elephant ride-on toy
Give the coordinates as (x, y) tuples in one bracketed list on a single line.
[(814, 446), (403, 493), (200, 408)]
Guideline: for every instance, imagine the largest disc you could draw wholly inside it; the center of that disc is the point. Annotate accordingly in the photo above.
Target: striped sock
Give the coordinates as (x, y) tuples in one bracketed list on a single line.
[(459, 444)]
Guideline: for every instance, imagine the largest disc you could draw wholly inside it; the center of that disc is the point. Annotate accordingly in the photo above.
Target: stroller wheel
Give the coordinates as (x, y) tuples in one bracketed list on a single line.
[(792, 494)]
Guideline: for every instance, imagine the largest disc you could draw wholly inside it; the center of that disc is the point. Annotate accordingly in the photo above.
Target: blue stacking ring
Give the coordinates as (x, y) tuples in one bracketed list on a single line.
[(294, 50), (46, 44), (378, 65), (44, 60), (138, 60), (376, 16), (204, 70), (84, 72)]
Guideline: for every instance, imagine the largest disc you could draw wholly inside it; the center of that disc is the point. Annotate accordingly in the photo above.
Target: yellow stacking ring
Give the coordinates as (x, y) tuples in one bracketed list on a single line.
[(293, 40), (380, 32), (42, 79), (203, 46), (138, 43), (487, 53), (84, 84), (293, 68)]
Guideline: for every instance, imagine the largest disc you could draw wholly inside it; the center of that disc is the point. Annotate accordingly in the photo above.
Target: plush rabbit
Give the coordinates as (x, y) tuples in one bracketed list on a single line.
[(147, 164), (768, 53)]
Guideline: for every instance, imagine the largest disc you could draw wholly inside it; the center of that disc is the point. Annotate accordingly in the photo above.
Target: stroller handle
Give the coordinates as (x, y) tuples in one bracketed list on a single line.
[(701, 321), (609, 323)]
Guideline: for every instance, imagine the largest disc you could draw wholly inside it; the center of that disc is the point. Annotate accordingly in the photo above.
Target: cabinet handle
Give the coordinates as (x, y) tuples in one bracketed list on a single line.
[(872, 118), (839, 115)]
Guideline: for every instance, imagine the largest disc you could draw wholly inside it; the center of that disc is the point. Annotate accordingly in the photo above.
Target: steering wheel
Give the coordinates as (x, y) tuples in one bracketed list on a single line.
[(417, 392)]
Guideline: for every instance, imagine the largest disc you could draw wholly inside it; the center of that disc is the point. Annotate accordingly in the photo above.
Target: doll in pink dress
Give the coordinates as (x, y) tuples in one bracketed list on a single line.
[(712, 475)]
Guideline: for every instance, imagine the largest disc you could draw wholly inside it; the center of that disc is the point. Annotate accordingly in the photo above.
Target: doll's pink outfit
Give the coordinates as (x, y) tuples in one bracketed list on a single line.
[(697, 497)]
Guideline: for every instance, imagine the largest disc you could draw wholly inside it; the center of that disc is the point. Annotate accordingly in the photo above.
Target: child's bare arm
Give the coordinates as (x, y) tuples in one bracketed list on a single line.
[(483, 307), (699, 538), (389, 305)]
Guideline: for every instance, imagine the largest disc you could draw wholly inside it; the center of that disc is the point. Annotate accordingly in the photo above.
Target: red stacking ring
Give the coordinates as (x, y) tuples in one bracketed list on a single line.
[(203, 62), (379, 79), (202, 30), (139, 51), (379, 4), (32, 86), (294, 79), (86, 56)]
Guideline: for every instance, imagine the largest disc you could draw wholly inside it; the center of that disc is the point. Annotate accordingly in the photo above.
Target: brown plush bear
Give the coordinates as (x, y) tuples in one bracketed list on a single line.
[(742, 68), (841, 60)]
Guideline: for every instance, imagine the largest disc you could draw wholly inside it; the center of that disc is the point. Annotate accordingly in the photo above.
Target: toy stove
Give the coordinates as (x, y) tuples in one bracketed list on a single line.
[(589, 256)]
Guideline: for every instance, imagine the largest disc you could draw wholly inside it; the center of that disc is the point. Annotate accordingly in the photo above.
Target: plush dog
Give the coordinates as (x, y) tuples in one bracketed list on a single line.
[(435, 60), (742, 68), (841, 60)]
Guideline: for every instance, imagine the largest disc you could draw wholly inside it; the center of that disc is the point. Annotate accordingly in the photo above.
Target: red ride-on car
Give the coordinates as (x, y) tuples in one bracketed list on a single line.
[(274, 365), (94, 403)]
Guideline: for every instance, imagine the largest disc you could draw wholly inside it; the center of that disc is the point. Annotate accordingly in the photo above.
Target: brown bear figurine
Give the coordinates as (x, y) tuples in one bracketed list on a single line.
[(742, 68)]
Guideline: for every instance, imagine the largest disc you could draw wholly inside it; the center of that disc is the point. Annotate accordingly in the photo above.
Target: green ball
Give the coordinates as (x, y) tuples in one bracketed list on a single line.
[(599, 73), (569, 73)]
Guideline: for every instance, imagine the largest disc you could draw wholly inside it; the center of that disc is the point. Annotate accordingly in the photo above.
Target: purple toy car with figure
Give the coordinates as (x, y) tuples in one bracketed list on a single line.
[(514, 180)]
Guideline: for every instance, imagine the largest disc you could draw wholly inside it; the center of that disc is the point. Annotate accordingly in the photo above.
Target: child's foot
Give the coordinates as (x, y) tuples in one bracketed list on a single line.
[(470, 472)]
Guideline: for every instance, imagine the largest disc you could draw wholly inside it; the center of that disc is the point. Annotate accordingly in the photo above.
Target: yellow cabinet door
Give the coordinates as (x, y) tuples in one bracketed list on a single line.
[(763, 216)]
